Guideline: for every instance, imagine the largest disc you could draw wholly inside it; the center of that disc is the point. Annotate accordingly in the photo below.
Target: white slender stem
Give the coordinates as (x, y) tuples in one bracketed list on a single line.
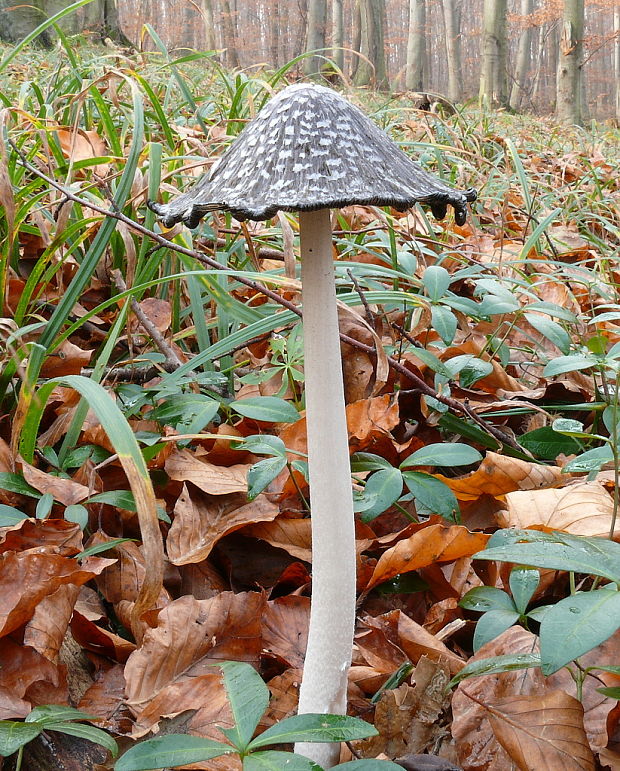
[(332, 615)]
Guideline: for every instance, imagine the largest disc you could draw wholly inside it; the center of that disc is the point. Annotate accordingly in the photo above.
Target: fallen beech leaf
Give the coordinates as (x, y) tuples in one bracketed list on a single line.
[(27, 577), (499, 474), (66, 491), (543, 731), (292, 535), (284, 690), (189, 634), (64, 537), (432, 544), (106, 699), (21, 668), (158, 312), (285, 628), (46, 629), (98, 640), (201, 520), (68, 359), (584, 509), (184, 466)]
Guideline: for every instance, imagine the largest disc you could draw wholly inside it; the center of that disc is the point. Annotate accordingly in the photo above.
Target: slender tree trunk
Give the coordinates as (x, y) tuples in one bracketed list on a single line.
[(229, 24), (372, 45), (416, 66), (315, 35), (569, 85), (524, 57), (452, 25), (617, 58), (20, 21), (274, 37), (493, 89), (209, 26), (302, 10), (356, 44), (338, 33)]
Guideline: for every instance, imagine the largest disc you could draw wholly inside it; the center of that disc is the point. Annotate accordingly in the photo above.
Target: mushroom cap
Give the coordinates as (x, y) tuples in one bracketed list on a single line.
[(308, 149)]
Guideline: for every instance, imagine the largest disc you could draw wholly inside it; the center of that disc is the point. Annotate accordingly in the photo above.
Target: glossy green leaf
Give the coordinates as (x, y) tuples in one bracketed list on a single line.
[(611, 693), (314, 728), (269, 409), (262, 444), (78, 514), (171, 750), (367, 461), (492, 624), (444, 323), (551, 330), (523, 584), (88, 732), (14, 735), (262, 473), (15, 483), (436, 281), (495, 665), (485, 598), (54, 713), (433, 494), (382, 489), (370, 764), (577, 624), (442, 454), (248, 697), (570, 427), (547, 444), (10, 516), (273, 760), (572, 363), (590, 460)]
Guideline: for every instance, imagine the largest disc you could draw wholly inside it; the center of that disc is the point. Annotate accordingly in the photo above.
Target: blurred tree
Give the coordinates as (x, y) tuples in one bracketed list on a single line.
[(493, 89), (315, 35), (569, 83), (452, 25), (416, 46), (524, 55), (372, 69)]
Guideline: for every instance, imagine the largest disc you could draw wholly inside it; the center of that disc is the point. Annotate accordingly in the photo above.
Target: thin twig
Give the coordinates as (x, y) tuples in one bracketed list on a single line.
[(256, 286), (370, 316)]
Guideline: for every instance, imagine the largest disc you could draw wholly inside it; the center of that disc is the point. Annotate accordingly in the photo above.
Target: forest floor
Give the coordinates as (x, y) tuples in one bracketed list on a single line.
[(136, 380)]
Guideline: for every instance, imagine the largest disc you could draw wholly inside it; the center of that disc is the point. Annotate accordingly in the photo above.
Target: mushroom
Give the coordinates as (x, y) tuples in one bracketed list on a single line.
[(310, 150)]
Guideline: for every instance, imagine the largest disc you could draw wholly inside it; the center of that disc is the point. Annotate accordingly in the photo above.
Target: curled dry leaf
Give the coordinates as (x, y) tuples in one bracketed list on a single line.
[(105, 698), (66, 491), (184, 466), (435, 543), (499, 474), (201, 520), (67, 359), (46, 629), (285, 628), (189, 635), (292, 535), (583, 509), (99, 640), (65, 538), (22, 667), (542, 731)]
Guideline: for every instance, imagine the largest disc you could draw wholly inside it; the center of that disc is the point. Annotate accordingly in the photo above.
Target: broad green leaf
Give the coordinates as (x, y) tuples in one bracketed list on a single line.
[(262, 473), (442, 454), (492, 624), (172, 750), (100, 548), (473, 371), (551, 330), (570, 427), (273, 760), (270, 409), (314, 728), (431, 361), (382, 489), (591, 460), (547, 444), (597, 557), (433, 494), (485, 598), (15, 483), (262, 444), (78, 514), (604, 668), (10, 516), (436, 281), (14, 735), (577, 624), (495, 665), (370, 764), (44, 506), (492, 305), (54, 713), (611, 693), (88, 732), (366, 461), (572, 363), (523, 584), (248, 696), (443, 322)]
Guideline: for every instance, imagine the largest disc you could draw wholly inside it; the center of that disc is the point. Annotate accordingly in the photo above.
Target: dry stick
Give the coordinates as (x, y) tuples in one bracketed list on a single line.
[(420, 385)]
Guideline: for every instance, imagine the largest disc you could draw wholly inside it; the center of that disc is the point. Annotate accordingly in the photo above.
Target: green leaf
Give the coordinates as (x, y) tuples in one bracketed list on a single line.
[(431, 361), (572, 363), (491, 625), (485, 598), (10, 516), (591, 460), (473, 371), (370, 764), (382, 489), (570, 427), (523, 584), (314, 728), (443, 321), (551, 330), (54, 713), (88, 732), (597, 557), (121, 499), (78, 514), (366, 461), (495, 665), (262, 444), (273, 760), (15, 483), (436, 281), (547, 444), (44, 506), (262, 473), (577, 624), (611, 693), (100, 548), (14, 735), (442, 454), (433, 494), (171, 750), (248, 696), (270, 409)]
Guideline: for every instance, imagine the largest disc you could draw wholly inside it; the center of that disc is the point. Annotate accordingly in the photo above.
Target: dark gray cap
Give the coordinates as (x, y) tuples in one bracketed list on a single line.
[(308, 149)]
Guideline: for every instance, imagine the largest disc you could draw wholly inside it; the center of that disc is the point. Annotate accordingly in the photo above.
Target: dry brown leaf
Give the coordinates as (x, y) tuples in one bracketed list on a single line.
[(189, 635), (432, 544), (46, 629), (292, 535), (66, 491), (543, 731), (184, 466), (285, 628), (499, 474), (106, 699), (65, 538), (67, 359), (583, 509), (99, 640), (22, 667), (201, 520), (81, 145)]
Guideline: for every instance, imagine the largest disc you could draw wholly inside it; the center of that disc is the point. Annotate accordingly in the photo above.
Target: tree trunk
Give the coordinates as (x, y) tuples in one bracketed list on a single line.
[(493, 90), (338, 33), (21, 20), (416, 66), (315, 35), (228, 24), (274, 38), (524, 57), (372, 69), (569, 85), (617, 59), (356, 44), (452, 25), (209, 25), (110, 23)]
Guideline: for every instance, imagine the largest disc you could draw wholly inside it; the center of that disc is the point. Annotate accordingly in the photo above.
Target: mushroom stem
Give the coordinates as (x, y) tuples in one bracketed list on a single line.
[(332, 616)]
